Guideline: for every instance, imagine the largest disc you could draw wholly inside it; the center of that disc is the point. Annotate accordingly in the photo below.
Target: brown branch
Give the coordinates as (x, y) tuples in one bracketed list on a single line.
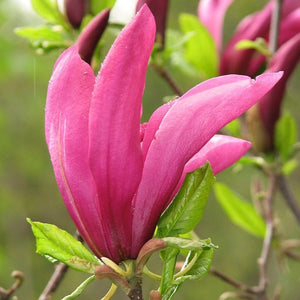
[(274, 28), (166, 76), (266, 249), (19, 278), (56, 277), (242, 287), (289, 197)]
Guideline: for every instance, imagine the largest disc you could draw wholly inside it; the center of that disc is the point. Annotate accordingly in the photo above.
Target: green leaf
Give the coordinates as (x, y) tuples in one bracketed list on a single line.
[(202, 265), (48, 10), (285, 136), (169, 257), (192, 245), (289, 166), (40, 33), (260, 45), (186, 210), (200, 268), (252, 160), (80, 289), (58, 244), (97, 6), (234, 128), (200, 49), (239, 211)]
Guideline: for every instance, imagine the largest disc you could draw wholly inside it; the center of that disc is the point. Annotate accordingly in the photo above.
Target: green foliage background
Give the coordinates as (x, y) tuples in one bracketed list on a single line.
[(28, 187)]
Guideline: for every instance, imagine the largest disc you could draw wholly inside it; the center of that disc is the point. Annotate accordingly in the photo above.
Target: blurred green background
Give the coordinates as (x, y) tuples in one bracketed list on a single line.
[(28, 187)]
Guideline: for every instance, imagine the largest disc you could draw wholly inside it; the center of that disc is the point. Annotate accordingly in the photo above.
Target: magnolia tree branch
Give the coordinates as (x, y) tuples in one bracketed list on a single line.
[(266, 249), (274, 30), (167, 77), (56, 277), (289, 197)]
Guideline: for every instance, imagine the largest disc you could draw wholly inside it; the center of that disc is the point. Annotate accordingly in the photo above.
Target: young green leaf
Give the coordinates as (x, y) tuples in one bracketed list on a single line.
[(58, 244), (169, 257), (186, 210), (80, 289), (200, 49), (285, 136), (97, 6), (199, 268), (40, 33), (187, 244), (260, 45), (48, 10), (239, 211)]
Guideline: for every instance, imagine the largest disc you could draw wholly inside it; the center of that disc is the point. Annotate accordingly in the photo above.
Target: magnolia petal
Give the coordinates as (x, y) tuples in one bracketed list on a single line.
[(217, 9), (67, 108), (220, 151), (115, 153), (184, 130)]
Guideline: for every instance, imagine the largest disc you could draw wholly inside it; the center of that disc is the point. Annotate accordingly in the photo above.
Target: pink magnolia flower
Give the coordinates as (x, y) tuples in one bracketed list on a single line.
[(211, 13), (268, 109), (258, 25), (159, 9), (116, 176)]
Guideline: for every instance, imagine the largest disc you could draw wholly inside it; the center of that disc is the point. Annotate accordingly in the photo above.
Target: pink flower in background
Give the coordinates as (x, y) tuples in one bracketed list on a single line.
[(269, 107), (248, 62), (211, 14), (115, 175)]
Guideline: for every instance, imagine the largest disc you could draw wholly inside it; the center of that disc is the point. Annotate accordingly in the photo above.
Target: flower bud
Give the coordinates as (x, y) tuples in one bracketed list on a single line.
[(159, 9), (263, 118), (91, 34), (75, 11)]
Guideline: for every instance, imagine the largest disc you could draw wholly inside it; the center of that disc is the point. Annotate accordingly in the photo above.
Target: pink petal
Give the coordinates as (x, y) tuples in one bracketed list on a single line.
[(184, 130), (211, 14), (115, 154), (221, 151), (67, 108)]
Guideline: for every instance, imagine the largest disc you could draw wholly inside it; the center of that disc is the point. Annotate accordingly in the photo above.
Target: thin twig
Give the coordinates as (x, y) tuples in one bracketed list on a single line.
[(56, 277), (166, 76), (289, 197), (275, 24), (242, 287), (266, 249)]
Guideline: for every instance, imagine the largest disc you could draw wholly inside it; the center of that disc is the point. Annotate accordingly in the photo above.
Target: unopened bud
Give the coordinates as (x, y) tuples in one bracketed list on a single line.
[(154, 295), (159, 9), (75, 11), (91, 34)]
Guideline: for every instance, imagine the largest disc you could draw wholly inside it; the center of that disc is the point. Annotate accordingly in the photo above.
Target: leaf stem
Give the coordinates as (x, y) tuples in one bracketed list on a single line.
[(266, 249), (186, 268), (274, 28), (167, 77), (111, 292), (242, 287)]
